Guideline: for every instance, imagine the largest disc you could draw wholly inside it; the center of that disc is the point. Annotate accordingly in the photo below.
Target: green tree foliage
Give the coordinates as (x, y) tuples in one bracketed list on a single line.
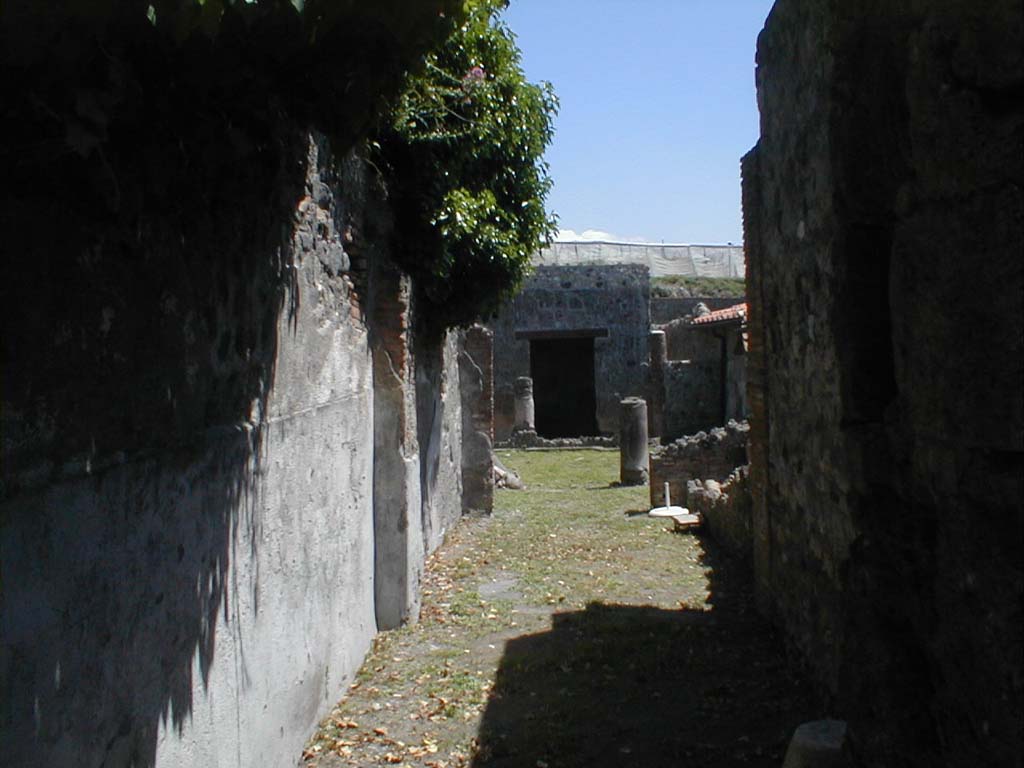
[(462, 155)]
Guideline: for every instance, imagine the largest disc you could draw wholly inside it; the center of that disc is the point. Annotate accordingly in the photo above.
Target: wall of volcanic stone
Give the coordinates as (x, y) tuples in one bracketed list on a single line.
[(612, 298), (883, 216)]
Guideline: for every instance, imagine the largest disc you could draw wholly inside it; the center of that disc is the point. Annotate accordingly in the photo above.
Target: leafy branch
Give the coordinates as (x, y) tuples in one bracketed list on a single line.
[(463, 152)]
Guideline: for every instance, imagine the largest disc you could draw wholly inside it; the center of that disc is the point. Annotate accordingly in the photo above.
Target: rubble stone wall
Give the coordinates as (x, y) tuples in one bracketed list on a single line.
[(693, 396), (710, 455), (725, 508), (696, 397)]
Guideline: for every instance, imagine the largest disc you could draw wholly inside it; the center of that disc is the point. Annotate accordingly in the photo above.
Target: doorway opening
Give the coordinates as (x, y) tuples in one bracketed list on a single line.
[(564, 397)]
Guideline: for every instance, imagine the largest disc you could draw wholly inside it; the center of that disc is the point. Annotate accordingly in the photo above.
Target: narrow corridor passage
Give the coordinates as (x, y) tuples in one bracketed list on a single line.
[(569, 629)]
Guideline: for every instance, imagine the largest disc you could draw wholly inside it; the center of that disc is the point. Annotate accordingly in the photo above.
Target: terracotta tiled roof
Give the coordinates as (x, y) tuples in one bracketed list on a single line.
[(735, 312)]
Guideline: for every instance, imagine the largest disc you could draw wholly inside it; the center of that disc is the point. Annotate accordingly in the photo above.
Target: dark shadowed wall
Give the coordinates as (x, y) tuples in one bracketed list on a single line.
[(190, 513), (883, 218)]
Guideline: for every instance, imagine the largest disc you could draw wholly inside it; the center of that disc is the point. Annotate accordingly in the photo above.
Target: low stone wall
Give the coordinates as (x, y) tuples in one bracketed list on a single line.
[(725, 508), (530, 439), (704, 456)]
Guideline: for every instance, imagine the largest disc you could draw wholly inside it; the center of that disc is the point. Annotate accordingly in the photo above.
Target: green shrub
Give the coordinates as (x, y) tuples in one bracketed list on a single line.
[(461, 153)]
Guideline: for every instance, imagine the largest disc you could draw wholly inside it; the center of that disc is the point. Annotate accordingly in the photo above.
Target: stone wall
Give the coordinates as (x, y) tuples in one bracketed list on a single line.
[(725, 508), (611, 298), (397, 490), (476, 376), (883, 222), (693, 397), (439, 422), (684, 342), (189, 498), (711, 455), (704, 379)]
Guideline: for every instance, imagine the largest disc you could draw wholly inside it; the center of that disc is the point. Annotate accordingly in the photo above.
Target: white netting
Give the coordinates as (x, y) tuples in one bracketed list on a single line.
[(689, 260)]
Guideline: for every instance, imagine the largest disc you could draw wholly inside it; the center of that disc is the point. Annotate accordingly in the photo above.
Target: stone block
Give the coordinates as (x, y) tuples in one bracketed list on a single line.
[(817, 744)]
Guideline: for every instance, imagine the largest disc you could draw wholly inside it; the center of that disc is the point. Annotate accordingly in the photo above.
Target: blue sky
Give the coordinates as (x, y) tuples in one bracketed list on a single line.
[(657, 107)]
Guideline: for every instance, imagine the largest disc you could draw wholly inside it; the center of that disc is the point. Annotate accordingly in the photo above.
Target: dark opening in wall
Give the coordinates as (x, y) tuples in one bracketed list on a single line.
[(565, 403)]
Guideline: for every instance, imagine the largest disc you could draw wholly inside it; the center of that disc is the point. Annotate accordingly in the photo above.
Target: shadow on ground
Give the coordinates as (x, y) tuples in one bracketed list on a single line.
[(626, 685)]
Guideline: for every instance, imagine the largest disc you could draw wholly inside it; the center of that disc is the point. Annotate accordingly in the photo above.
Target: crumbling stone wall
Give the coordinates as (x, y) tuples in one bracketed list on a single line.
[(711, 455), (725, 508), (888, 438), (683, 342), (613, 298)]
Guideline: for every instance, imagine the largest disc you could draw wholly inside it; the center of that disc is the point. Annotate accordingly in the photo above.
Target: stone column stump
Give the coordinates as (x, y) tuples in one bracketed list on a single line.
[(633, 441), (524, 416)]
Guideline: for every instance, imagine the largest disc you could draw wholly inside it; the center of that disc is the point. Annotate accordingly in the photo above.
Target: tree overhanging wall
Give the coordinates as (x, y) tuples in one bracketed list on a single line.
[(883, 221)]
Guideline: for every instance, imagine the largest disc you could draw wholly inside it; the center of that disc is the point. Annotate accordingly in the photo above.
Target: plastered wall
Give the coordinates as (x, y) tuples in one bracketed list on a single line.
[(190, 514)]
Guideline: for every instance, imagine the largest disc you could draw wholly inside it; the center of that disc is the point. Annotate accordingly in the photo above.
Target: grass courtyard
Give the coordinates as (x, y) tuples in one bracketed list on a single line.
[(569, 629)]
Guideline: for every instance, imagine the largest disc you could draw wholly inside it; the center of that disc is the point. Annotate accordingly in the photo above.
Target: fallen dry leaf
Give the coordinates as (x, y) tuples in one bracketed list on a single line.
[(311, 752)]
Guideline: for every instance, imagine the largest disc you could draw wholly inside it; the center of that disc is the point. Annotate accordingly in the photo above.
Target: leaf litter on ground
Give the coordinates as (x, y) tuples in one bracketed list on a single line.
[(448, 691)]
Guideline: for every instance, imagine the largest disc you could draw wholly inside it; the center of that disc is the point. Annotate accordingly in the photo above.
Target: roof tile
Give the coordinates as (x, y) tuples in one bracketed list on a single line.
[(735, 312)]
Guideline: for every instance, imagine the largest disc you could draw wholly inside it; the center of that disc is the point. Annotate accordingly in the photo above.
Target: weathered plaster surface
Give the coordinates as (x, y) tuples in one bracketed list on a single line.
[(199, 599), (187, 526), (439, 420), (476, 381)]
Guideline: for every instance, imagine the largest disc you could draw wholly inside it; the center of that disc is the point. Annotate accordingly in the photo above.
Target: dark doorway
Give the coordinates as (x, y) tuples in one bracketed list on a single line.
[(563, 387)]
